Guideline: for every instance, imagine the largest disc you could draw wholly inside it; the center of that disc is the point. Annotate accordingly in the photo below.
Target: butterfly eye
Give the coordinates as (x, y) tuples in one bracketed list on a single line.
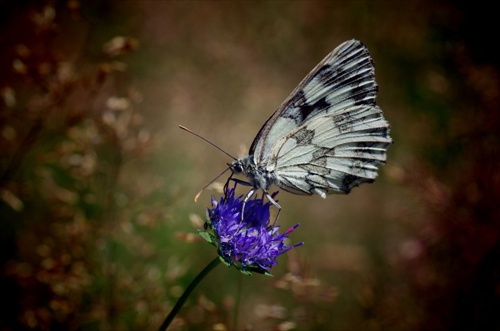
[(237, 167)]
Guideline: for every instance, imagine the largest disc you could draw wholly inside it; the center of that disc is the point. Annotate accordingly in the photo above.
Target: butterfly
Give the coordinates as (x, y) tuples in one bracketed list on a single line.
[(328, 136)]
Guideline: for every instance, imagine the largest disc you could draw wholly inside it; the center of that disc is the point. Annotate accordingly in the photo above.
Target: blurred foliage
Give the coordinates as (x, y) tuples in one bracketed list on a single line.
[(96, 180)]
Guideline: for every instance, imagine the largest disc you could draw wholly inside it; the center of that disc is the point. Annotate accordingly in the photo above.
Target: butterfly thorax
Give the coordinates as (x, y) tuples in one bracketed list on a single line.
[(258, 177)]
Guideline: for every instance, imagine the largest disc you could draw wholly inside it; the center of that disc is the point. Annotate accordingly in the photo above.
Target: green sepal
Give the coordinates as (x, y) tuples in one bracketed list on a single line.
[(208, 237)]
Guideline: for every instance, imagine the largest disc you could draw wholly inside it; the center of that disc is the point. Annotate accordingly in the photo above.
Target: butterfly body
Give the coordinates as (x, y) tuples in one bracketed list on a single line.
[(258, 176), (328, 136)]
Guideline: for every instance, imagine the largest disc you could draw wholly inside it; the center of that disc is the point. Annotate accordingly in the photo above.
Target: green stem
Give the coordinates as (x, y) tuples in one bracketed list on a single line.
[(187, 292), (237, 302)]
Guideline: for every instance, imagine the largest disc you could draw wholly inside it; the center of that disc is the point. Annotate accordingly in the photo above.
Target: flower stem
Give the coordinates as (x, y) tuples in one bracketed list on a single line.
[(187, 292), (237, 302)]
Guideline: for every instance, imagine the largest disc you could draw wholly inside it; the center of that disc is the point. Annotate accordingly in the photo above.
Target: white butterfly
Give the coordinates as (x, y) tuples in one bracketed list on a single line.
[(327, 137)]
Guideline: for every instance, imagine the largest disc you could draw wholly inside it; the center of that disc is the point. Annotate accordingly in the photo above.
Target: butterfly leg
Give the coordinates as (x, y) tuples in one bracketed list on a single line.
[(237, 181), (227, 182), (249, 195), (268, 196), (275, 204)]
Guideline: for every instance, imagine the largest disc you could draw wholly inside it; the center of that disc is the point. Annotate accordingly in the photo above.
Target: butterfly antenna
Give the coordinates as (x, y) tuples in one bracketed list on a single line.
[(208, 141), (205, 187)]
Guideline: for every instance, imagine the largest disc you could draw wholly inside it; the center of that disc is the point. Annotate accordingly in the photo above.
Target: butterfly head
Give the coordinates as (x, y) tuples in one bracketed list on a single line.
[(258, 176), (242, 165)]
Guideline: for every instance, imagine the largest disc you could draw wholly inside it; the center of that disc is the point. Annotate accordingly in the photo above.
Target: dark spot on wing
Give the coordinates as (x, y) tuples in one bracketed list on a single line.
[(316, 181), (314, 169), (383, 132), (303, 136), (323, 151), (298, 99), (315, 108), (299, 109), (351, 181), (362, 147), (364, 93), (357, 165), (340, 119), (296, 102), (343, 122), (324, 74), (347, 183), (320, 155)]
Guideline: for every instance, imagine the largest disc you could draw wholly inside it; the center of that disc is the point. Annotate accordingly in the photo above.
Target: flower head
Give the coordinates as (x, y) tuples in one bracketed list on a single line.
[(251, 244)]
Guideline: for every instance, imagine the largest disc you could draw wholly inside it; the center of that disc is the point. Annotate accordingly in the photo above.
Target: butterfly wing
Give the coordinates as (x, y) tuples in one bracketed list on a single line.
[(344, 78), (328, 136), (332, 153)]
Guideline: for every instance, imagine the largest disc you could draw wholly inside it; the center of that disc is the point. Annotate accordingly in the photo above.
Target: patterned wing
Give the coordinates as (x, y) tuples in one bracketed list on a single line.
[(333, 152), (344, 78)]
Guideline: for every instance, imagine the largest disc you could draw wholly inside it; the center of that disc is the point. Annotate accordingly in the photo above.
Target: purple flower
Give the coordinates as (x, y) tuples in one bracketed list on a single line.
[(251, 245)]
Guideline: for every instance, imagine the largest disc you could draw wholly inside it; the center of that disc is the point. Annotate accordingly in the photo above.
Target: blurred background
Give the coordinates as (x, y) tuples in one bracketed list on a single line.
[(98, 223)]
